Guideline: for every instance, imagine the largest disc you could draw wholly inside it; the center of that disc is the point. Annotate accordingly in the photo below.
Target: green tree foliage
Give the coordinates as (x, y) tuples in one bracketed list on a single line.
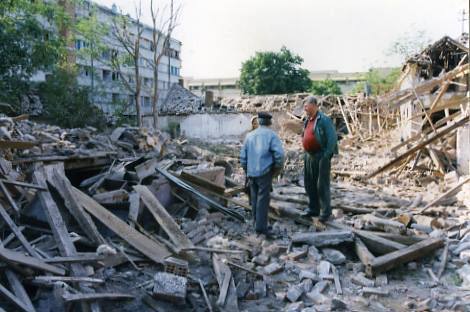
[(91, 31), (274, 73), (378, 82), (325, 87), (27, 44), (66, 103)]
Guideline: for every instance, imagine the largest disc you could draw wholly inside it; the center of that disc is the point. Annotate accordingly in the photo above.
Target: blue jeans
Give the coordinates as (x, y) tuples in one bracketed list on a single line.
[(260, 187)]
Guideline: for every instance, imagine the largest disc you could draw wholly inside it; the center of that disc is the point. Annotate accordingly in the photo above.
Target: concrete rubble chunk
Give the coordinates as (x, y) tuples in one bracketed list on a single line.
[(321, 286), (294, 307), (338, 305), (170, 287), (272, 268), (334, 256), (261, 259), (317, 297), (294, 293), (361, 280), (308, 274), (324, 269), (375, 291)]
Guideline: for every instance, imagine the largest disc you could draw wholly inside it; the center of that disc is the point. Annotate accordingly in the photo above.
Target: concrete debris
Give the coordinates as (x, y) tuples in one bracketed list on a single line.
[(169, 217), (170, 287)]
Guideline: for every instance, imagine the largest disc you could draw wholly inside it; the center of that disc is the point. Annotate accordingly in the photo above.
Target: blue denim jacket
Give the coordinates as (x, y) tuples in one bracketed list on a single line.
[(261, 151)]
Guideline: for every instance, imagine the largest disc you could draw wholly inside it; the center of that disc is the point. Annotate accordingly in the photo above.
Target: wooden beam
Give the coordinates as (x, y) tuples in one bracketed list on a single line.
[(59, 230), (51, 279), (4, 144), (63, 185), (14, 300), (201, 181), (320, 239), (26, 185), (9, 198), (163, 218), (153, 250), (14, 228), (18, 289), (222, 270), (396, 258), (68, 298), (17, 257), (362, 252), (419, 146), (450, 192), (374, 242)]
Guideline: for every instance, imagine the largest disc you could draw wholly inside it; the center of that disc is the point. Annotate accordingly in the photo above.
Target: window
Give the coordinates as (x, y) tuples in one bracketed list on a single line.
[(77, 44), (106, 75), (115, 76), (115, 97)]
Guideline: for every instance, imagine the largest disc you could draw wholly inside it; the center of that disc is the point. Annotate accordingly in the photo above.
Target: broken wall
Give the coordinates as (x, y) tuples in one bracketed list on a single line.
[(463, 150)]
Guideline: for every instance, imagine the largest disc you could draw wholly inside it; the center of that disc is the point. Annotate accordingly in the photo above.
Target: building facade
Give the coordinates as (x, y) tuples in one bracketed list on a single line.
[(108, 90)]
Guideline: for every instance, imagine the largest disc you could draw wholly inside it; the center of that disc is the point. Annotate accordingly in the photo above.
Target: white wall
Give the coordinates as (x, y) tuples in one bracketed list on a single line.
[(209, 126), (463, 150)]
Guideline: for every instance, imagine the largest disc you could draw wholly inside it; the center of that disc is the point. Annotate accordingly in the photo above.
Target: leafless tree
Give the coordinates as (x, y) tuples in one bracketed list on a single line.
[(128, 33), (164, 21)]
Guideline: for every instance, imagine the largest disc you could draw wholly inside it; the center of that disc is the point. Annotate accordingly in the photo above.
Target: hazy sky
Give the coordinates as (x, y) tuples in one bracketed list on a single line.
[(344, 35)]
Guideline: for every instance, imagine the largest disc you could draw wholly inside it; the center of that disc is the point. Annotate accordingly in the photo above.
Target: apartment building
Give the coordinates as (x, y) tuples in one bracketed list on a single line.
[(109, 91)]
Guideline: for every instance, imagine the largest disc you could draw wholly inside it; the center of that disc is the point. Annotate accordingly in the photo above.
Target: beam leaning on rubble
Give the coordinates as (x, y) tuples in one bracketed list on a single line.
[(416, 148), (212, 203)]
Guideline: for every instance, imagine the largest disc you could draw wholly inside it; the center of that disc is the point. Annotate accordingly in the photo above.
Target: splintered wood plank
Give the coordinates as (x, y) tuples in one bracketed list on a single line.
[(18, 289), (135, 207), (63, 185), (201, 181), (54, 218), (59, 230), (163, 218), (419, 146), (4, 144), (396, 258), (14, 300), (14, 228), (87, 297), (222, 270), (362, 252), (153, 250), (8, 197), (17, 257)]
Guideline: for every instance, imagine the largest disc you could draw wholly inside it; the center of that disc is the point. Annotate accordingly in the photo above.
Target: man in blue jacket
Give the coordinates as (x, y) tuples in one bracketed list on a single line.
[(320, 143), (262, 158)]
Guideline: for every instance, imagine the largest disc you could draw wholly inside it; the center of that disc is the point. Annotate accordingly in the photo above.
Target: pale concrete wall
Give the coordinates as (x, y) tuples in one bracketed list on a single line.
[(463, 150)]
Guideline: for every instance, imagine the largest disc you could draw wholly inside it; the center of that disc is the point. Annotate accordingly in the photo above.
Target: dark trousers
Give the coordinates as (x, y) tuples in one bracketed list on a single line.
[(317, 184), (260, 187)]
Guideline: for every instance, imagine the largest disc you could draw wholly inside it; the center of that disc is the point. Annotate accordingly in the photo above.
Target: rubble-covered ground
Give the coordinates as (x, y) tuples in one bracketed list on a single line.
[(132, 220)]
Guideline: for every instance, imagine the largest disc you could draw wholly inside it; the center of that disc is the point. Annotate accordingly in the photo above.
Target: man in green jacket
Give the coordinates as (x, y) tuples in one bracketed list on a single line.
[(320, 143)]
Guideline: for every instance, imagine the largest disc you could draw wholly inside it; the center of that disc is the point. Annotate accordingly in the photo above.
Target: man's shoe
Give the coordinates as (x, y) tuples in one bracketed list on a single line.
[(324, 219), (311, 214)]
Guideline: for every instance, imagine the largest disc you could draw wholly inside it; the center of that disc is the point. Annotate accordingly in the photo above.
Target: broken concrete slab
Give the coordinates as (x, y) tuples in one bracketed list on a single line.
[(170, 287)]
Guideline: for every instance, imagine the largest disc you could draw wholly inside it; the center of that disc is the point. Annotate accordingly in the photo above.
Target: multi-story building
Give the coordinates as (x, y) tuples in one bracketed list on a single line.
[(229, 87), (109, 91)]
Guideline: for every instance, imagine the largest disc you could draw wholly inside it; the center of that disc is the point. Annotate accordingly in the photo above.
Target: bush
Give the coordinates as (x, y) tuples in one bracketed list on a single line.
[(67, 104)]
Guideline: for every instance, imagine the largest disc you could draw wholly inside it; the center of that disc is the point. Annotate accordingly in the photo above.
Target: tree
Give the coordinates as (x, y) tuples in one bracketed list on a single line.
[(128, 33), (66, 103), (161, 36), (325, 87), (26, 45), (378, 82), (409, 44), (92, 32), (274, 73)]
